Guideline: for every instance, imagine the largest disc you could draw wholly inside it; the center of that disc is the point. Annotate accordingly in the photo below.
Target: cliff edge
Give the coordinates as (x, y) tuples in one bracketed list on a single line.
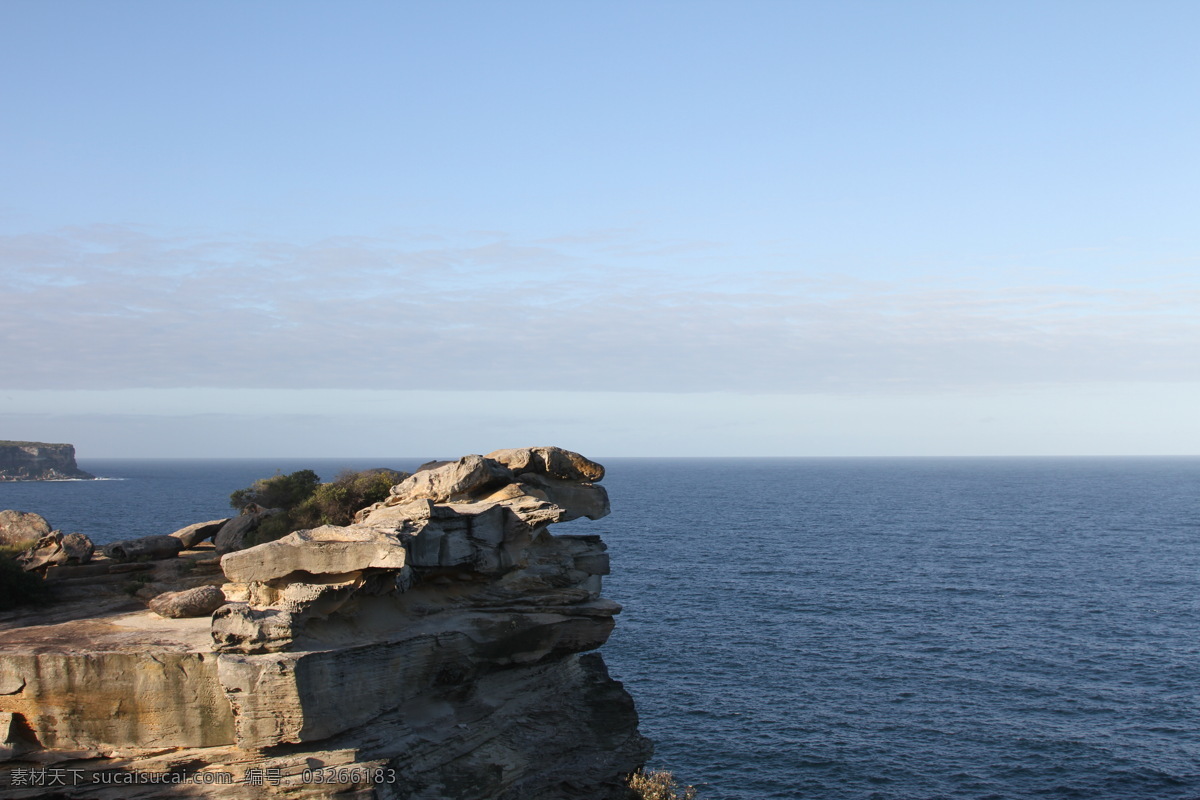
[(438, 648), (39, 461)]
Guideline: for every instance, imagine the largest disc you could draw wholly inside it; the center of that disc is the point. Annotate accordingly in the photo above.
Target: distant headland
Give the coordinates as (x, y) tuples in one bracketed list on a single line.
[(39, 461)]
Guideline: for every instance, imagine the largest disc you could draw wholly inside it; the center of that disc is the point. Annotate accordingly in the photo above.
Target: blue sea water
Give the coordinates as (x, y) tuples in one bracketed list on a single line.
[(884, 629)]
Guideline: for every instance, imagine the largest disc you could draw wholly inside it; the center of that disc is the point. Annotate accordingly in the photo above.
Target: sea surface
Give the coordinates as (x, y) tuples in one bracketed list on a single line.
[(893, 629)]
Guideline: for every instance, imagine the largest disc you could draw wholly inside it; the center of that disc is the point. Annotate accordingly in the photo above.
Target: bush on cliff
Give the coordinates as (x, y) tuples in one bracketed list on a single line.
[(18, 587), (335, 503), (658, 785), (307, 503), (278, 491)]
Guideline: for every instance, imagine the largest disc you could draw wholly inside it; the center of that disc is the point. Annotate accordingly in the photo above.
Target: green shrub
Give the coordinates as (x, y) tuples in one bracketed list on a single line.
[(278, 491), (308, 504), (658, 785), (336, 503), (18, 587)]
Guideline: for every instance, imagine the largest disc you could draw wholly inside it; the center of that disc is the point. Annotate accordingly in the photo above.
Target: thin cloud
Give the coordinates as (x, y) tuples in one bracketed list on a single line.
[(111, 307)]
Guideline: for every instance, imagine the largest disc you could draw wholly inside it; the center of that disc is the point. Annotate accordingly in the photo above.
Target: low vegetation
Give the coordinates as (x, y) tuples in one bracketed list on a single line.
[(12, 443), (14, 549), (308, 503), (658, 785), (278, 491)]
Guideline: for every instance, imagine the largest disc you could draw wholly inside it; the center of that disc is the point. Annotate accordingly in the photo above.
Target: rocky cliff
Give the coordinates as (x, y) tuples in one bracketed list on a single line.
[(38, 461), (439, 648)]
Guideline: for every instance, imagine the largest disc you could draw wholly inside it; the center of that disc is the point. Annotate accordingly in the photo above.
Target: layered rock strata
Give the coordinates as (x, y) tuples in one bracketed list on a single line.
[(437, 648), (39, 461)]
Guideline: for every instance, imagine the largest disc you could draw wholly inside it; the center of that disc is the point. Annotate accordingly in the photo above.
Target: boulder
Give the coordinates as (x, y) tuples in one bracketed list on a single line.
[(79, 548), (150, 547), (553, 462), (55, 549), (457, 480), (196, 533), (232, 535), (17, 527), (201, 601), (238, 628)]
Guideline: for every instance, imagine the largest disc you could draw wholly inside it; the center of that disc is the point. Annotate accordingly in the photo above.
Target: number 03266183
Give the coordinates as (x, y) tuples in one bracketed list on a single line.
[(349, 775)]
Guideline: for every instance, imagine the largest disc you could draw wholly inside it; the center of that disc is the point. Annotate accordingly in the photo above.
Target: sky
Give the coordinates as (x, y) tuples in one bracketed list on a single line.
[(760, 228)]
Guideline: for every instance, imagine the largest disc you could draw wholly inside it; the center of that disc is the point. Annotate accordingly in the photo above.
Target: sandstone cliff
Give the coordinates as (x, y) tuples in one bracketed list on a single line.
[(436, 649), (38, 461)]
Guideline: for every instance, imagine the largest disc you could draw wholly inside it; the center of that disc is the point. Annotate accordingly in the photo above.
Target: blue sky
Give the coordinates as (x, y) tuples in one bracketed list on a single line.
[(652, 228)]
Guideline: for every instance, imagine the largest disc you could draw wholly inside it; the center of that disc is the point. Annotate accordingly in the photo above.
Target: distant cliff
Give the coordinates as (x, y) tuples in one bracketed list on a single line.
[(38, 461)]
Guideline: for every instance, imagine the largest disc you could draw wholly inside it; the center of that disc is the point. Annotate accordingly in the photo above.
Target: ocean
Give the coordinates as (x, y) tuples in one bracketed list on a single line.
[(866, 629)]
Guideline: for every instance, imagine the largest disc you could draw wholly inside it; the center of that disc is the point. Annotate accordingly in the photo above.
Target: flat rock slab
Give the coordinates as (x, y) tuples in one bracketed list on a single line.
[(127, 631), (328, 550)]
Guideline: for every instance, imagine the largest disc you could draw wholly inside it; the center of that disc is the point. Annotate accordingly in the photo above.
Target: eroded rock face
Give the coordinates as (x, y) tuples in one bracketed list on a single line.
[(422, 640), (102, 702)]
